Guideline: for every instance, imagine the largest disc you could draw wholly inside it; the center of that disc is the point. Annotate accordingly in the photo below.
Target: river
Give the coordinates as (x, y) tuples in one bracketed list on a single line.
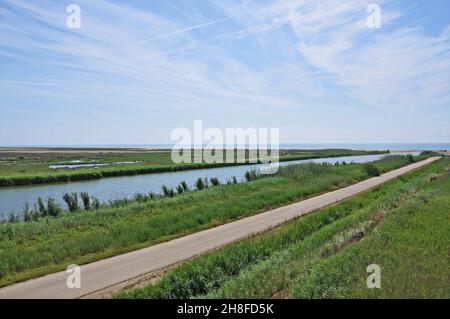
[(13, 199)]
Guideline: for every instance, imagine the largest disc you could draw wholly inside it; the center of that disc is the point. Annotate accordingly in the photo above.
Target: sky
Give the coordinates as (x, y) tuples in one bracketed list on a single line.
[(134, 71)]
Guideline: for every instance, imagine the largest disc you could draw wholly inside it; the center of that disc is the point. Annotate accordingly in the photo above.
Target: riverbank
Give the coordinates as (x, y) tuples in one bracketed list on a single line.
[(57, 167), (49, 244)]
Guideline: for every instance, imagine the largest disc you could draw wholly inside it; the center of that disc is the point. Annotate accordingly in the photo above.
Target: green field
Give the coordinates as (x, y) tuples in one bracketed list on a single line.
[(22, 166), (403, 226), (50, 243)]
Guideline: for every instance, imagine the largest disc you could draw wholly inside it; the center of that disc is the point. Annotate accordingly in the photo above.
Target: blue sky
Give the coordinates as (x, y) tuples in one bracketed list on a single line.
[(136, 70)]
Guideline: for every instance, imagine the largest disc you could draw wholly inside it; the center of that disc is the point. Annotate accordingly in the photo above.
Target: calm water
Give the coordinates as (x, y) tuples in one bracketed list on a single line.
[(14, 198)]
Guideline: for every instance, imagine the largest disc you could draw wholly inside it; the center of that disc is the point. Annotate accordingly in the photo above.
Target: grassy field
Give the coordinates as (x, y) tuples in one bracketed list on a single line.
[(49, 244), (402, 226), (23, 167)]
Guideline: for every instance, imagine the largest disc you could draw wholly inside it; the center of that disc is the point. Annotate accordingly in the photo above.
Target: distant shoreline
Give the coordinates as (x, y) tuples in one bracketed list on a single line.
[(136, 148), (77, 150)]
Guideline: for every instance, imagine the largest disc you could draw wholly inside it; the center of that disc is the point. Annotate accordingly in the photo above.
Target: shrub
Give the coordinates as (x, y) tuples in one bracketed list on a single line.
[(180, 189), (251, 175), (53, 208), (371, 170), (199, 184), (167, 192), (86, 200), (41, 207), (71, 201), (184, 185), (215, 181), (13, 218), (27, 216), (95, 203)]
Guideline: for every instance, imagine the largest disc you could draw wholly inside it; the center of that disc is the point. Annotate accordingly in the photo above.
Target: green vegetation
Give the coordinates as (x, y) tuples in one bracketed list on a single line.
[(401, 225), (251, 175), (214, 181), (429, 153), (90, 203), (48, 244), (22, 168), (372, 170), (411, 249)]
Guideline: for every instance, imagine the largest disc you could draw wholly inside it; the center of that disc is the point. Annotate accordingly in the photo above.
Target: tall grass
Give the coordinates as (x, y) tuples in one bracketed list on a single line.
[(371, 169), (93, 234), (261, 266), (208, 273), (411, 248)]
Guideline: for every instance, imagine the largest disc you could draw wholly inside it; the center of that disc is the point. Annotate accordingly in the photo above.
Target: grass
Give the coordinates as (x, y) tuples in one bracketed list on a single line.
[(50, 244), (411, 248), (401, 225), (33, 168)]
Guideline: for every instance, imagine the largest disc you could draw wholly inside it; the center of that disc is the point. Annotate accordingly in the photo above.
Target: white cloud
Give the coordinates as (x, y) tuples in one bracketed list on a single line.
[(305, 47), (387, 67), (119, 44)]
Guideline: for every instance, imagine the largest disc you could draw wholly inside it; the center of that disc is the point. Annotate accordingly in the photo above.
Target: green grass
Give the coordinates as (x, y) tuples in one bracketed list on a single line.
[(401, 225), (50, 244), (411, 248), (33, 168)]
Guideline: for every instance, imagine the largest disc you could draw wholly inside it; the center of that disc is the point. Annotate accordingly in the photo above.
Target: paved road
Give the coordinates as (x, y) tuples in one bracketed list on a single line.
[(107, 272)]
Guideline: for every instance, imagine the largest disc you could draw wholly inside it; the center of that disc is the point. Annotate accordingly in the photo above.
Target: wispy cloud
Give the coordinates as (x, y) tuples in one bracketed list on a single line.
[(387, 67), (249, 56), (180, 31), (101, 49), (397, 67)]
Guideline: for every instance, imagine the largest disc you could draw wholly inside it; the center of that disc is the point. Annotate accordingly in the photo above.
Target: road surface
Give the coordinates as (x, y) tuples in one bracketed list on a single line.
[(111, 271)]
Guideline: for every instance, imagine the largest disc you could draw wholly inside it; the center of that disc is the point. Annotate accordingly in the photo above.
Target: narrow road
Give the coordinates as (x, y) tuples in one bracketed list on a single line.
[(107, 272)]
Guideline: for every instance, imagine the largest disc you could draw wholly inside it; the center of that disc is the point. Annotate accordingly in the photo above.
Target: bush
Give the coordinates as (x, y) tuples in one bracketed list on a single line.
[(53, 208), (214, 181), (27, 216), (371, 170), (180, 189), (86, 200), (410, 158), (251, 175), (41, 207), (199, 184), (95, 203), (71, 201), (168, 192), (185, 186), (13, 218)]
